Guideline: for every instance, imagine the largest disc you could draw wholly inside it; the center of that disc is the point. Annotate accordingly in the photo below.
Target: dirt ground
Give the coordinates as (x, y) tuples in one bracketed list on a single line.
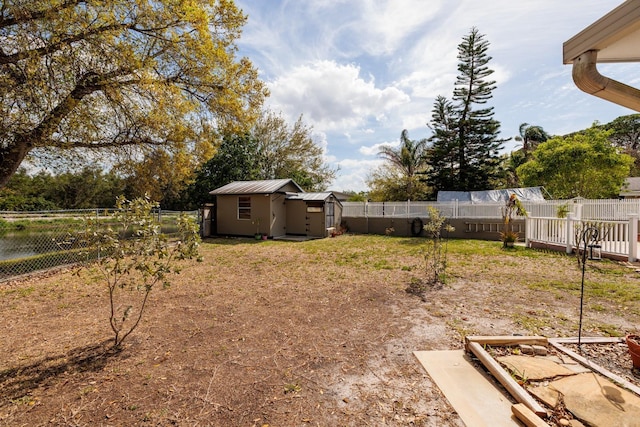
[(317, 333)]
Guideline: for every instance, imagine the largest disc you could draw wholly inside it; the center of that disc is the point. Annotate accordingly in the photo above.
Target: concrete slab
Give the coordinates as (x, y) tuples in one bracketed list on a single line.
[(593, 399), (533, 368), (294, 238), (470, 391)]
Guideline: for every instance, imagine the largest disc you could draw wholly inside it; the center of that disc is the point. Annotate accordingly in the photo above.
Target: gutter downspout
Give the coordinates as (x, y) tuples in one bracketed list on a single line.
[(589, 80)]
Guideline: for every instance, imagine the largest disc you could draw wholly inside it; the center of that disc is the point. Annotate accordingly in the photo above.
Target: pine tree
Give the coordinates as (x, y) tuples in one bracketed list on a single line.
[(466, 143), (442, 154)]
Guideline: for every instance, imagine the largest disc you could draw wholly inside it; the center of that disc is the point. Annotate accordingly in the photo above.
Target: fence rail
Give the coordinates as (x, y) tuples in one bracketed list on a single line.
[(616, 238), (609, 210), (33, 241)]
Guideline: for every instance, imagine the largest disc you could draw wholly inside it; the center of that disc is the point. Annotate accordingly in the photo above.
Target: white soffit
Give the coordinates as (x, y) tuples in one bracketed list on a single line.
[(616, 36)]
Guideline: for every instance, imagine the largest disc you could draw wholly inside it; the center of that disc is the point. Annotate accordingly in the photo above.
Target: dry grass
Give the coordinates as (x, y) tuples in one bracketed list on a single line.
[(275, 333)]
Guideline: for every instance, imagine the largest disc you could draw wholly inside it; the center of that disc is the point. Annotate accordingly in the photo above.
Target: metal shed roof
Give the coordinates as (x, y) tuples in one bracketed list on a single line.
[(255, 187), (310, 197)]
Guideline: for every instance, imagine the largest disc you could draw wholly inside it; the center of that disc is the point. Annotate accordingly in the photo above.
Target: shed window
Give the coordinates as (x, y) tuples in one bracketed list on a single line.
[(315, 207), (244, 207)]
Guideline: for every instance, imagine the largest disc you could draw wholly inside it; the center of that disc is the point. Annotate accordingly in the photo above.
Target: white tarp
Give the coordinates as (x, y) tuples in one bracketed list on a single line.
[(524, 194)]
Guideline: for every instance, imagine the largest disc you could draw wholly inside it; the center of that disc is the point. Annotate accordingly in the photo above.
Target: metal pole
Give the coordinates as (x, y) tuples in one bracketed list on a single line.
[(590, 234)]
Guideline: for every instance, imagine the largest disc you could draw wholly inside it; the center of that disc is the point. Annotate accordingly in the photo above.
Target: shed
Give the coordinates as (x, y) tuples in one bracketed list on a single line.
[(313, 214), (273, 208), (631, 188)]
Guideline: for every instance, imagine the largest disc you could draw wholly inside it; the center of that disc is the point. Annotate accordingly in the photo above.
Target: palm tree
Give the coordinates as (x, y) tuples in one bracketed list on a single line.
[(410, 158), (531, 136)]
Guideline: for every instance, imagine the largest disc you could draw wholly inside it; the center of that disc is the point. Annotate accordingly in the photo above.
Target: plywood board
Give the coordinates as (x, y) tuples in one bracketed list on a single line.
[(472, 393)]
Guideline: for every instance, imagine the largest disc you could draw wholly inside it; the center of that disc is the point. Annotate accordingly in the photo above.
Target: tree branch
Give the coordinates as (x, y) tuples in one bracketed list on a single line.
[(29, 16), (54, 47)]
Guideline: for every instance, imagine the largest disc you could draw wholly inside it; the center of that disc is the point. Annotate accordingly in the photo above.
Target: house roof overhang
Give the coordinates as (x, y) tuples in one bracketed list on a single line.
[(613, 38)]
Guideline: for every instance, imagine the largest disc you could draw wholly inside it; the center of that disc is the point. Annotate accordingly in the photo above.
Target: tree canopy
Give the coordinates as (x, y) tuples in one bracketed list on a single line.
[(625, 133), (531, 136), (289, 151), (85, 189), (401, 175), (388, 183), (235, 160), (583, 164), (88, 74), (465, 151), (273, 149)]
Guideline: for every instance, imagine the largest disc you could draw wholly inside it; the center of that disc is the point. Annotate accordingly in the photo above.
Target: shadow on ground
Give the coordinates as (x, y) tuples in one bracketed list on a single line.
[(19, 381)]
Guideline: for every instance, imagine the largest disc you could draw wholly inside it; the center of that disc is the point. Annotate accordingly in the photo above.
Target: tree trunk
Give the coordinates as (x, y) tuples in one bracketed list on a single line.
[(12, 156), (10, 159)]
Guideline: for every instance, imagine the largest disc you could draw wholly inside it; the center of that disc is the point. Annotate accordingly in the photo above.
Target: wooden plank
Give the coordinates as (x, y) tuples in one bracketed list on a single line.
[(586, 340), (478, 400), (518, 393), (527, 416), (505, 340), (599, 369)]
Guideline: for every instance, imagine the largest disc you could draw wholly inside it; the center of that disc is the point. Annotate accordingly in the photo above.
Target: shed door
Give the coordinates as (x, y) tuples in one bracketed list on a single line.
[(330, 217), (297, 218), (315, 218)]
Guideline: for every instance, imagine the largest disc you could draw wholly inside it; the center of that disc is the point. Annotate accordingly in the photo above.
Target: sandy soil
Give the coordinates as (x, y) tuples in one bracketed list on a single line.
[(274, 333)]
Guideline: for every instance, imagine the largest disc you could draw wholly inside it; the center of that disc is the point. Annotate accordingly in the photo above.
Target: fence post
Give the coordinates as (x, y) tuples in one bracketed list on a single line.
[(527, 228), (633, 237), (568, 235), (366, 214)]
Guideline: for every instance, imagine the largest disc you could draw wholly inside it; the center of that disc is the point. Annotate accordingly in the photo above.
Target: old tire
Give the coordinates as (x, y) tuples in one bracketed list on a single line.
[(416, 227)]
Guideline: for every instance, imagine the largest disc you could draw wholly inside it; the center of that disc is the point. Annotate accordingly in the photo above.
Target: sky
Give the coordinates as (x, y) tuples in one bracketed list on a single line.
[(361, 71)]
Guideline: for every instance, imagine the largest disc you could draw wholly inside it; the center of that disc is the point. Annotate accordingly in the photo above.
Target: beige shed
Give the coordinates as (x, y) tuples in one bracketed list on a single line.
[(272, 208)]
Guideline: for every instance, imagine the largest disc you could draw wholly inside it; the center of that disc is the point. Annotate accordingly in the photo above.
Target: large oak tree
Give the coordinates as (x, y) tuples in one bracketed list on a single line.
[(120, 73)]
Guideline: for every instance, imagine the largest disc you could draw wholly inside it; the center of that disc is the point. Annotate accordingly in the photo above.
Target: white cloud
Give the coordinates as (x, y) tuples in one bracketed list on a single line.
[(353, 174), (361, 71), (385, 25), (333, 96), (373, 150)]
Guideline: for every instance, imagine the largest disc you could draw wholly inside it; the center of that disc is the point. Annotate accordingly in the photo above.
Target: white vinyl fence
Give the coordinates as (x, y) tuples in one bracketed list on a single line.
[(606, 210), (617, 238), (616, 220)]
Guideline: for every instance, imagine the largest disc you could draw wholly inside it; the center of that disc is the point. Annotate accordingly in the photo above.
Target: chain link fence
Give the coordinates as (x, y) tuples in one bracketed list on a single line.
[(37, 241)]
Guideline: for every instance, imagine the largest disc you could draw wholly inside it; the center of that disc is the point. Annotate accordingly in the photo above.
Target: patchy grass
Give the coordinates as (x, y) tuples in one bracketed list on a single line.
[(533, 323), (287, 333)]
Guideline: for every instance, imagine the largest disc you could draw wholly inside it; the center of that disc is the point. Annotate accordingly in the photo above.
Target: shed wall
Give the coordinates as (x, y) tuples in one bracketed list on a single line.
[(227, 215)]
